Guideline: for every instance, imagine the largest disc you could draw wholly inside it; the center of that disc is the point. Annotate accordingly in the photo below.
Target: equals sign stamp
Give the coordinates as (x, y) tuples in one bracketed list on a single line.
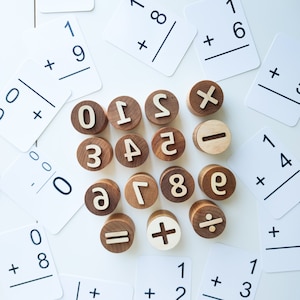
[(117, 237)]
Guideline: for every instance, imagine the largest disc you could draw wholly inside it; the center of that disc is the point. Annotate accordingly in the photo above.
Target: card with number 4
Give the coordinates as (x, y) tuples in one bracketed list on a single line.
[(270, 171), (224, 43), (161, 277), (29, 102), (276, 89), (45, 191), (230, 274), (59, 47), (150, 33), (27, 269), (81, 288)]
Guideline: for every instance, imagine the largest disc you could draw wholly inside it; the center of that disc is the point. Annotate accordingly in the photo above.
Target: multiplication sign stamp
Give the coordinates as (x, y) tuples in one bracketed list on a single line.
[(280, 241), (224, 43), (276, 89), (29, 102), (45, 191), (269, 170), (59, 47), (230, 274), (27, 268), (163, 277), (46, 6), (150, 33), (82, 288)]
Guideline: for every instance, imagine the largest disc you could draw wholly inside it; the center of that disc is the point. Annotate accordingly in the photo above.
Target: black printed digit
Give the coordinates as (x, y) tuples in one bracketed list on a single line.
[(182, 269), (182, 289), (43, 262), (246, 293), (268, 140), (231, 4), (238, 30), (35, 237), (254, 265), (79, 53), (160, 18), (68, 25), (284, 160)]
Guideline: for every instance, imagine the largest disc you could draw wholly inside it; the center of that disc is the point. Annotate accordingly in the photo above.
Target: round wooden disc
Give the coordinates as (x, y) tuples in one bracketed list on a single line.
[(212, 137), (141, 190), (205, 97), (217, 182), (102, 197), (131, 150), (168, 143), (88, 117), (117, 234), (161, 107), (124, 113), (207, 219), (163, 230), (177, 184), (94, 153)]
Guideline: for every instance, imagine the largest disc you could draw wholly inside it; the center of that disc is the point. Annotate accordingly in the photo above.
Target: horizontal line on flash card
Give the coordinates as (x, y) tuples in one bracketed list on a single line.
[(281, 95), (282, 185), (283, 247), (29, 281), (229, 51), (75, 73), (211, 297)]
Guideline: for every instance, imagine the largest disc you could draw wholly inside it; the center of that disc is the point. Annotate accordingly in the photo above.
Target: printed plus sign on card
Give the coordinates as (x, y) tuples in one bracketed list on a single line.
[(269, 170), (47, 6), (59, 47), (44, 191), (29, 102), (81, 288), (280, 241), (276, 89), (224, 43), (162, 277), (230, 274), (150, 33), (27, 269)]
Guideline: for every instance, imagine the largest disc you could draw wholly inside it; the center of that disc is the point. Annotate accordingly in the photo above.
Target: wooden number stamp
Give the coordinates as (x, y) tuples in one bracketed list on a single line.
[(205, 98), (88, 117), (141, 190), (131, 150), (212, 137), (102, 197), (207, 219), (161, 107), (117, 234), (217, 182), (177, 184), (124, 113), (168, 143), (163, 230), (94, 153)]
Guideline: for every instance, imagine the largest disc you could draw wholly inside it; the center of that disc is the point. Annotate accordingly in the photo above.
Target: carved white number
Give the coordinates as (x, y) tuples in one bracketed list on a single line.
[(218, 179), (170, 141), (131, 149), (123, 119), (178, 189), (94, 156), (82, 120), (163, 111), (101, 202), (136, 187)]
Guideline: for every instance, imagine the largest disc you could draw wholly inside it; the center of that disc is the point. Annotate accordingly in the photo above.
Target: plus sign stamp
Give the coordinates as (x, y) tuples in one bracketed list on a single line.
[(276, 89), (230, 273), (224, 43), (163, 277), (60, 48), (151, 33), (27, 268), (269, 170), (82, 288)]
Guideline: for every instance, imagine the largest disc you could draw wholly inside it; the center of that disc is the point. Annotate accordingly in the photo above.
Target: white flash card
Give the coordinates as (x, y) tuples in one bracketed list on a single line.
[(280, 241), (59, 47), (163, 277), (276, 89), (27, 269), (150, 33), (50, 6), (28, 103), (81, 288), (224, 43), (43, 190), (269, 170), (230, 274)]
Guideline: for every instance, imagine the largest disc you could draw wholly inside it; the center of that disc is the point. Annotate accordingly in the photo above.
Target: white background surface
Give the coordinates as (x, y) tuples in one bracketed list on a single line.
[(77, 249)]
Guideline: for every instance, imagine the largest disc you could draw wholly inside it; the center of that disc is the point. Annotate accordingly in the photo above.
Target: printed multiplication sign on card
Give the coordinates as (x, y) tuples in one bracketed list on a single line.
[(150, 33), (59, 47), (224, 43), (276, 89), (27, 269)]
